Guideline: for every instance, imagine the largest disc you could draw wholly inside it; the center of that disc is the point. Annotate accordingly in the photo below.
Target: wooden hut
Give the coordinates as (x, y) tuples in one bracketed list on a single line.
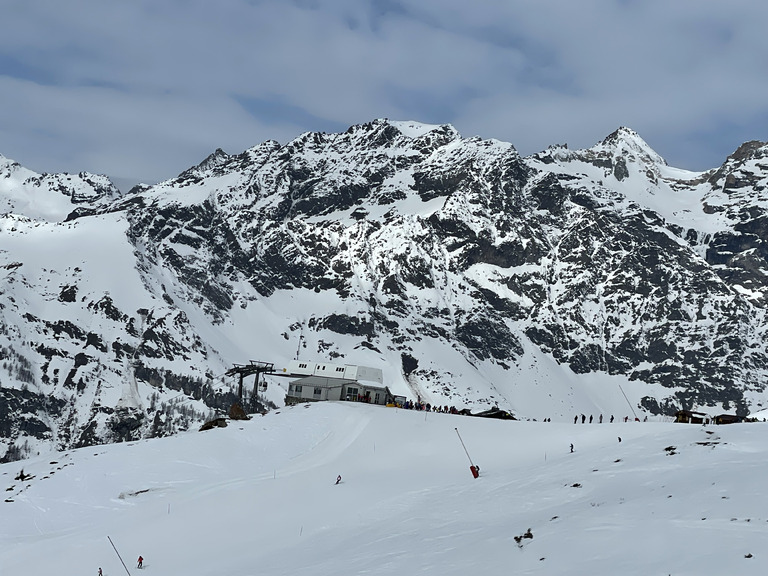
[(728, 419), (690, 417)]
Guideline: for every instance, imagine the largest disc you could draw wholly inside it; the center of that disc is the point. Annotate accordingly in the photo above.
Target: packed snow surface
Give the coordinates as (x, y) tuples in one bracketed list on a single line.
[(260, 497)]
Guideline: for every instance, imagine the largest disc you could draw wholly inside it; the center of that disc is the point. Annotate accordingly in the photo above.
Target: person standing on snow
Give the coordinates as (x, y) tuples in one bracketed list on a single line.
[(141, 563)]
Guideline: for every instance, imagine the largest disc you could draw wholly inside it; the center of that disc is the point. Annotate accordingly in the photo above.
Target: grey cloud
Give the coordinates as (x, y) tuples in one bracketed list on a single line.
[(144, 89)]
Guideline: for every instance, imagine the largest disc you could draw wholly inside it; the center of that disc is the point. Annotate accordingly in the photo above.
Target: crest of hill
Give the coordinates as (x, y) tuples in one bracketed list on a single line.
[(50, 197)]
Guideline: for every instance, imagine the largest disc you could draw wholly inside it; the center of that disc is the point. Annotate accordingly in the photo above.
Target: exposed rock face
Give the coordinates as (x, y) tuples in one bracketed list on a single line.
[(449, 261)]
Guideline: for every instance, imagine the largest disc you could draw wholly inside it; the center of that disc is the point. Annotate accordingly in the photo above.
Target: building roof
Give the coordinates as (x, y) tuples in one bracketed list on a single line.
[(690, 412)]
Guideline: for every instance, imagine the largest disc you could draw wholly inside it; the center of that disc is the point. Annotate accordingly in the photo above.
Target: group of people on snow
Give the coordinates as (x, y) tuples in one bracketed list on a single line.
[(600, 419), (427, 407)]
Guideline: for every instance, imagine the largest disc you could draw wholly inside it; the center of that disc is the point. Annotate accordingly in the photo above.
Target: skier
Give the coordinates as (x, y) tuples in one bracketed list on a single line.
[(338, 478), (611, 418), (590, 418), (575, 419), (583, 418), (619, 438), (601, 418), (141, 563), (571, 448), (100, 574)]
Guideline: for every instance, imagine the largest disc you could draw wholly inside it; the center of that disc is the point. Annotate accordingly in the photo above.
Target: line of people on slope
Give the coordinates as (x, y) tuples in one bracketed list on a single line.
[(600, 419), (427, 407)]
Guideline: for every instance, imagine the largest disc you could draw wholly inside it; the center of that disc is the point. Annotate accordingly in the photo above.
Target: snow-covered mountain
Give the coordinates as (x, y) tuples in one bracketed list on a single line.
[(572, 281), (260, 497)]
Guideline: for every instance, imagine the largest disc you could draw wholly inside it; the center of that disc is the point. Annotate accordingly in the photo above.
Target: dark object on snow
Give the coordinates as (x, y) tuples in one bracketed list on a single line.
[(22, 476), (236, 412), (571, 448), (215, 423), (619, 438), (141, 563), (689, 417), (495, 412), (338, 478), (728, 419), (475, 470), (519, 539)]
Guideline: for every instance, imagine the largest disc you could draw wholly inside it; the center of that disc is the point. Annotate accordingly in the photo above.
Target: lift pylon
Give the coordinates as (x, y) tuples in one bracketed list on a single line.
[(253, 367)]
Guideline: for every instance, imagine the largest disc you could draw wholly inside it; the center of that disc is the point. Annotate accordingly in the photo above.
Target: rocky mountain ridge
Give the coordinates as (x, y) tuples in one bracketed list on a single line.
[(470, 274)]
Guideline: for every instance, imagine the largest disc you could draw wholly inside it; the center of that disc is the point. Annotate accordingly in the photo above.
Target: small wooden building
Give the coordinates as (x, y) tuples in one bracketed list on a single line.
[(728, 419), (690, 417)]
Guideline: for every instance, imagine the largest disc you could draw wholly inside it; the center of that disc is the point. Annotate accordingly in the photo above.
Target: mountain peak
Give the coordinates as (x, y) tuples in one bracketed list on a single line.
[(6, 164), (213, 160), (624, 141), (621, 133), (754, 149), (412, 129)]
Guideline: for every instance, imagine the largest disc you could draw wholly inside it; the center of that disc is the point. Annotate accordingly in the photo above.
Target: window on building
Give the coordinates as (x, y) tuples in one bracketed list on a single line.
[(318, 391), (340, 369), (298, 387), (302, 365), (376, 398), (352, 394)]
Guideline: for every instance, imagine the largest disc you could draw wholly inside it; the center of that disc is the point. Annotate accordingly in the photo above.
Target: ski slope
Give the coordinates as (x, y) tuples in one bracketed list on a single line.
[(259, 497)]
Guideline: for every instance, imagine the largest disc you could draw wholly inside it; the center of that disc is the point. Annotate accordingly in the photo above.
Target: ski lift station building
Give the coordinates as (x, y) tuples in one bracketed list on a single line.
[(317, 381)]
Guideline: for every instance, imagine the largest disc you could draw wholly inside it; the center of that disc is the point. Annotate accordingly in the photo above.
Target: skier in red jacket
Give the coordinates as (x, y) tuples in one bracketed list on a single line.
[(141, 563)]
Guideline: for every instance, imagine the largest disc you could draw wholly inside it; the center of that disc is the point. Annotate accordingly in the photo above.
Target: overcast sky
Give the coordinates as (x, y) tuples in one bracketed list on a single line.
[(142, 89)]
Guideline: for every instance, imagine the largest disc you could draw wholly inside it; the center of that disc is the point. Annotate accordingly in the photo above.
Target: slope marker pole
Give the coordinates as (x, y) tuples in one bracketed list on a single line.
[(628, 402), (118, 555), (475, 470)]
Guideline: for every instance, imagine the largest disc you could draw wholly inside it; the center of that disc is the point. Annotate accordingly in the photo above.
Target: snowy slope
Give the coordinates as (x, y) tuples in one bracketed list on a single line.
[(259, 497)]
